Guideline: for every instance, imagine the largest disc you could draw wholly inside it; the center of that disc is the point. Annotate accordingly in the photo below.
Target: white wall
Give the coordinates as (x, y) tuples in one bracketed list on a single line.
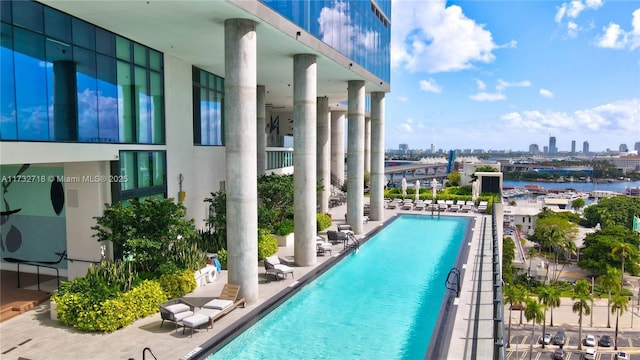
[(202, 167), (83, 202)]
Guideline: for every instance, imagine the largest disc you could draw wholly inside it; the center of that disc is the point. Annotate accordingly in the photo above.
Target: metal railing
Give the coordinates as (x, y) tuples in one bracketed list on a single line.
[(499, 348), (278, 158)]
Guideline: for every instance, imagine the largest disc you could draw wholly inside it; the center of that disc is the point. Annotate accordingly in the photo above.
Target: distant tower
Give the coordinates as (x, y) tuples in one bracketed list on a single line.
[(623, 148), (534, 149), (404, 147), (573, 146), (585, 147), (552, 145), (545, 149), (636, 147)]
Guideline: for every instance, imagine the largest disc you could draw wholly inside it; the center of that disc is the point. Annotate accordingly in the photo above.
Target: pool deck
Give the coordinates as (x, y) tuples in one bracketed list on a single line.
[(33, 335)]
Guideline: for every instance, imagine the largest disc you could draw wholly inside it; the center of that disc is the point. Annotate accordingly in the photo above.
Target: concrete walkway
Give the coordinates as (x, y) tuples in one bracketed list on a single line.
[(34, 335)]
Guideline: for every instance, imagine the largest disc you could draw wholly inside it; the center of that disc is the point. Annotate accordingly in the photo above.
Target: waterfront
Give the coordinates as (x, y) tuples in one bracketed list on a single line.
[(619, 186)]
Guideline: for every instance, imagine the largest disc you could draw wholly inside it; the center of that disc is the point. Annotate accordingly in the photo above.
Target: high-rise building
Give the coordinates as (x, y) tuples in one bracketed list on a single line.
[(585, 147), (636, 146), (552, 145), (534, 149), (403, 147), (573, 146), (136, 99), (623, 148)]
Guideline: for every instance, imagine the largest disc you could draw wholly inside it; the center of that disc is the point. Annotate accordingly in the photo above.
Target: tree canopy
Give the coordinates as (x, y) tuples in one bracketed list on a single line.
[(618, 210), (598, 250)]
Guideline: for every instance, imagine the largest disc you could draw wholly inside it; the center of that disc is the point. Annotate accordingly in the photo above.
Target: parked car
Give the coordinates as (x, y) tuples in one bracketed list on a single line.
[(560, 338), (589, 340), (621, 355), (589, 354), (605, 341), (546, 339), (559, 354)]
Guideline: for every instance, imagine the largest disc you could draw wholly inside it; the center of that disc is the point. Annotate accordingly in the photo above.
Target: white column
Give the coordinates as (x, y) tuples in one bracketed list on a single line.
[(355, 156), (367, 145), (304, 158), (240, 139), (261, 132), (378, 180), (324, 154), (337, 145)]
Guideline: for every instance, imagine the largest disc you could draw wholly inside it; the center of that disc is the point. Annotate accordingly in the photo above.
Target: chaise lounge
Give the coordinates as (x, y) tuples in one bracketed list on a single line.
[(215, 308), (176, 310), (273, 266)]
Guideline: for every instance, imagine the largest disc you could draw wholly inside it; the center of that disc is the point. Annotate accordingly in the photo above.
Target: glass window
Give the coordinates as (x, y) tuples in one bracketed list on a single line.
[(107, 99), (8, 129), (144, 170), (155, 60), (123, 48), (208, 116), (139, 54), (105, 42), (57, 25), (145, 174), (159, 175), (84, 34), (127, 170), (28, 14), (5, 11), (143, 118), (157, 99), (87, 95), (31, 96), (126, 112)]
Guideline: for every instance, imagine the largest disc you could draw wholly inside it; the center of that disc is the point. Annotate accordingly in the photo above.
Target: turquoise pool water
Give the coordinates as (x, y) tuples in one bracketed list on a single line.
[(379, 303)]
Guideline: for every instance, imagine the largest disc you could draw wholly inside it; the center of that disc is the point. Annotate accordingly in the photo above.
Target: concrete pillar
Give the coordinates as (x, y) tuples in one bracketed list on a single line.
[(378, 180), (355, 155), (261, 132), (337, 146), (367, 145), (304, 158), (240, 138), (324, 154)]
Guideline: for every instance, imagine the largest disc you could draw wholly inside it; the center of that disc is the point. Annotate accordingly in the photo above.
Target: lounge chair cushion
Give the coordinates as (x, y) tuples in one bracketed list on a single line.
[(182, 315), (218, 304), (177, 308), (210, 313)]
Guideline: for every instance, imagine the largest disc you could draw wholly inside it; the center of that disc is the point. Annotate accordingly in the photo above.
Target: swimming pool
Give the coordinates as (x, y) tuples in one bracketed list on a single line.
[(381, 302)]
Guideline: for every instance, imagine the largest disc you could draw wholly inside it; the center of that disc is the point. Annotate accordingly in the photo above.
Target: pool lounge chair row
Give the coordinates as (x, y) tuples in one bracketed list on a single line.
[(440, 205)]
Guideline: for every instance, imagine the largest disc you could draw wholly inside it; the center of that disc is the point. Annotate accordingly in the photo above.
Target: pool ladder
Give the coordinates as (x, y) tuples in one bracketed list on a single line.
[(453, 281), (352, 242)]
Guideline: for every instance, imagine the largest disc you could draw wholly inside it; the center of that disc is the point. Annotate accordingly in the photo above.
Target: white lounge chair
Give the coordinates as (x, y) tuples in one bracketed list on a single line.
[(274, 267)]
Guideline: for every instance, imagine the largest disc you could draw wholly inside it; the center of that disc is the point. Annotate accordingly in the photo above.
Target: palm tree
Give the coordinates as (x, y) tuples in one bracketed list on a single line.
[(625, 250), (544, 296), (609, 281), (553, 301), (510, 297), (581, 306), (534, 311), (619, 304)]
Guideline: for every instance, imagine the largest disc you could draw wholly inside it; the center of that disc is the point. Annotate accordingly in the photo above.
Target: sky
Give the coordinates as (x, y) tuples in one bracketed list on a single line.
[(505, 74)]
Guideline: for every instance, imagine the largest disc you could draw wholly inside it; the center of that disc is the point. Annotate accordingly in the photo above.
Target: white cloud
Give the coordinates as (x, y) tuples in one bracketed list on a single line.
[(405, 127), (430, 85), (338, 30), (402, 98), (546, 93), (614, 37), (499, 93), (572, 29), (435, 38), (485, 96), (619, 117), (573, 8)]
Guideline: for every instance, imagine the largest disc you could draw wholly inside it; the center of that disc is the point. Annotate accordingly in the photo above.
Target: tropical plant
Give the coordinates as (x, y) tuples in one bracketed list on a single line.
[(577, 204), (581, 305), (619, 304), (324, 221), (553, 301), (534, 312), (548, 296), (275, 200), (216, 232), (597, 253), (267, 244), (609, 282), (624, 251), (617, 210)]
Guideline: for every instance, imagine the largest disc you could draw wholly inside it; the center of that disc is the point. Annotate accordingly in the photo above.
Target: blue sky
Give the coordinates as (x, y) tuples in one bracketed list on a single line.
[(507, 74)]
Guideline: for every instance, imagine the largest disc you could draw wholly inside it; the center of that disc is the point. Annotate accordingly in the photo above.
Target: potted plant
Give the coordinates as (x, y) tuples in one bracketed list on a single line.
[(284, 233)]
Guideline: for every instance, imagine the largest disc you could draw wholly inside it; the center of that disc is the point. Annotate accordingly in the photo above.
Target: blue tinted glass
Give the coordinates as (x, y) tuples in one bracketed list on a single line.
[(353, 28), (28, 14), (5, 11), (31, 92), (87, 95), (107, 99), (8, 130), (57, 25), (84, 34), (105, 42), (144, 106)]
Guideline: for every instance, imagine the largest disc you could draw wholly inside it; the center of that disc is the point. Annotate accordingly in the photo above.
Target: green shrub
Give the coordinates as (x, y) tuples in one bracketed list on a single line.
[(118, 274), (285, 227), (324, 221), (88, 313), (187, 256), (267, 244), (222, 257), (177, 285)]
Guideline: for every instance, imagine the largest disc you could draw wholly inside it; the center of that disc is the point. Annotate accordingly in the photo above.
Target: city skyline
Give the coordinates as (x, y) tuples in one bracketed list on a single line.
[(465, 75)]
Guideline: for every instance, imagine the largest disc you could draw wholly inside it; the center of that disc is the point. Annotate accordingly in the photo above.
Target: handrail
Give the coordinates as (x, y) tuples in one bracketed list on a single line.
[(150, 352), (38, 264), (454, 284)]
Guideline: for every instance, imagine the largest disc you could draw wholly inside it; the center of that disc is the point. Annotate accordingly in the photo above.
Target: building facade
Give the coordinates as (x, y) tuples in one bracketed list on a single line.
[(111, 101)]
